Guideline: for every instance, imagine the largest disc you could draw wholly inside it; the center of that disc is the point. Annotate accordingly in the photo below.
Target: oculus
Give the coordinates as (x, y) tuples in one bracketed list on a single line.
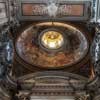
[(51, 39)]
